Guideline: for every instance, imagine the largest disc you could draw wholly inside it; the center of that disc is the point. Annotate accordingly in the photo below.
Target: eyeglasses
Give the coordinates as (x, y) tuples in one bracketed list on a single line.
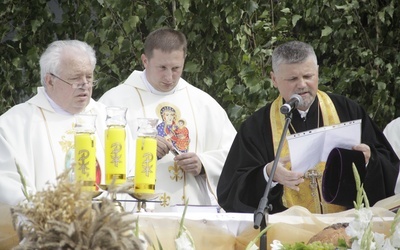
[(76, 85)]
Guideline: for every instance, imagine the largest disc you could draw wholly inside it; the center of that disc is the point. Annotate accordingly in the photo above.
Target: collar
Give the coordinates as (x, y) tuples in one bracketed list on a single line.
[(55, 106), (152, 89)]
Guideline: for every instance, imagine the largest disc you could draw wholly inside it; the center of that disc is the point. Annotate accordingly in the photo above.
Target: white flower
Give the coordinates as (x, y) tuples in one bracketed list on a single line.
[(184, 242), (359, 225), (356, 245), (276, 245), (382, 243), (144, 242), (252, 246), (379, 240), (395, 239), (364, 215)]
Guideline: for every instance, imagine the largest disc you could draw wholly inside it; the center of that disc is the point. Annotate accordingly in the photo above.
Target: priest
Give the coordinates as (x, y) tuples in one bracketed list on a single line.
[(194, 133), (248, 166), (37, 136)]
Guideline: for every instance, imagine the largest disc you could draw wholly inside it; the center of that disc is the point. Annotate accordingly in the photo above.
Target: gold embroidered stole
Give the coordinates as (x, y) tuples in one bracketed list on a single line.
[(310, 194)]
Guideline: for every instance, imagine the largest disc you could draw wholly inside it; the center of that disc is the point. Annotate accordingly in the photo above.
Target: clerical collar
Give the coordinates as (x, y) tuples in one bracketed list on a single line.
[(302, 113), (55, 106), (152, 89)]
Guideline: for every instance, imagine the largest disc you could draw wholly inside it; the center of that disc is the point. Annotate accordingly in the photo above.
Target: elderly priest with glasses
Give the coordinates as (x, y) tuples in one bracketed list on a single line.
[(37, 136)]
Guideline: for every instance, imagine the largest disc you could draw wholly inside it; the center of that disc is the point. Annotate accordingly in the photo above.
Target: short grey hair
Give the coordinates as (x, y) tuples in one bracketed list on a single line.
[(51, 57), (292, 52)]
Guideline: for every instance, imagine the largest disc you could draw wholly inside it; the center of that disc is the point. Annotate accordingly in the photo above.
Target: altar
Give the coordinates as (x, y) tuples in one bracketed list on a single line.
[(209, 231), (225, 231), (235, 230)]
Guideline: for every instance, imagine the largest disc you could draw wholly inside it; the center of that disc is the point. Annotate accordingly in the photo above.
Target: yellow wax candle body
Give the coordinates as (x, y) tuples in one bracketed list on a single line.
[(115, 152), (85, 160), (146, 160)]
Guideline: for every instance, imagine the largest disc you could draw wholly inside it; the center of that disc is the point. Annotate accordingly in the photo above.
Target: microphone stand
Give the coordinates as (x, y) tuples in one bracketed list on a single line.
[(261, 214)]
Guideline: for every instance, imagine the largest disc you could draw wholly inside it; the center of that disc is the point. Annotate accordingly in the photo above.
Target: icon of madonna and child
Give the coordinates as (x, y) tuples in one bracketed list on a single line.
[(172, 127)]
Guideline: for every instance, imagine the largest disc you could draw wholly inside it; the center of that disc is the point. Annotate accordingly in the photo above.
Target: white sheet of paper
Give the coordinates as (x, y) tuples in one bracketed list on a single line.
[(310, 147)]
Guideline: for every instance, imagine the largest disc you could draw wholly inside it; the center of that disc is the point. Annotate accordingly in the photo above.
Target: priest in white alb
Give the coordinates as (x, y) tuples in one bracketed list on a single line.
[(190, 122), (38, 135)]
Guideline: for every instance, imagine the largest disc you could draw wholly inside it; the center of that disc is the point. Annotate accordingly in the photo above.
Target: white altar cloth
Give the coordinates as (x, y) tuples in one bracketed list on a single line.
[(224, 231), (235, 230)]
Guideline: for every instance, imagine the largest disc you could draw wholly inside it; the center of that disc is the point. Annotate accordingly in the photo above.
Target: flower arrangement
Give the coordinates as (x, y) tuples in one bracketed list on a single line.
[(359, 229)]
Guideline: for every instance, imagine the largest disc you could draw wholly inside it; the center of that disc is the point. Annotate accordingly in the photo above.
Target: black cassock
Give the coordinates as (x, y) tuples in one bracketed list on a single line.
[(242, 183)]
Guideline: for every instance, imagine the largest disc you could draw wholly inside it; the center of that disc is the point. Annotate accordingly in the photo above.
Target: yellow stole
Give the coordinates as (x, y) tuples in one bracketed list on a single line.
[(309, 196)]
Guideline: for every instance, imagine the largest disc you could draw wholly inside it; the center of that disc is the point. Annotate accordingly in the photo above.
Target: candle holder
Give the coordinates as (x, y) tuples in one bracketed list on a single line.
[(115, 146), (127, 188), (141, 198), (85, 151), (146, 158)]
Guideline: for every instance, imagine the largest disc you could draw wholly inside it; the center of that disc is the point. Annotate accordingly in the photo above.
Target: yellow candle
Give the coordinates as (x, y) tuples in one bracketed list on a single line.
[(115, 155), (85, 160), (146, 159)]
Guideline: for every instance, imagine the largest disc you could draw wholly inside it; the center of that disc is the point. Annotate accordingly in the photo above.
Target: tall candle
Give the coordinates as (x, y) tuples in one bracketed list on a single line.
[(85, 160), (145, 171), (115, 153)]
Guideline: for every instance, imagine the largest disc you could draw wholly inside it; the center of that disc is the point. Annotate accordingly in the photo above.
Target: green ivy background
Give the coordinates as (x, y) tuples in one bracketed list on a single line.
[(230, 43)]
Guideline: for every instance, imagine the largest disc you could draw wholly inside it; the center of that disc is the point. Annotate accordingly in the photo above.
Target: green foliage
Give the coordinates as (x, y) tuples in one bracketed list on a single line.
[(315, 245), (230, 43)]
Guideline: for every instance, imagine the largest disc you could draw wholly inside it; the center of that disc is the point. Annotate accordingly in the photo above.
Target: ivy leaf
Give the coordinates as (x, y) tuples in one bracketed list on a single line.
[(252, 7), (295, 19), (185, 4), (326, 31), (192, 67)]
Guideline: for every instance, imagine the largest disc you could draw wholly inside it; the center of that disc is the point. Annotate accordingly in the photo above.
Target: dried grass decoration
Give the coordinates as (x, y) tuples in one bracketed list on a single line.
[(63, 217)]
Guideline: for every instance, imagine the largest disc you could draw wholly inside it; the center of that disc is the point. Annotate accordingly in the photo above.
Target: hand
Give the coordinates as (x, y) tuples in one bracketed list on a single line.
[(285, 177), (189, 162), (163, 147), (365, 149)]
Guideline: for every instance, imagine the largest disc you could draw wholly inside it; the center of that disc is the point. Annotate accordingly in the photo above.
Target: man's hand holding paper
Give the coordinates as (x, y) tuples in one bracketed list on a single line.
[(365, 149), (288, 178)]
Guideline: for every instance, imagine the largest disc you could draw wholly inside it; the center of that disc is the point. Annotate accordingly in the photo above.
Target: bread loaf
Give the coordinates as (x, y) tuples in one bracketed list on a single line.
[(332, 234)]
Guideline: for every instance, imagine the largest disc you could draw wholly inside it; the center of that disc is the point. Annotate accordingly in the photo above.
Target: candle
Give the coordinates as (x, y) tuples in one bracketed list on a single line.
[(115, 152), (85, 160), (145, 171)]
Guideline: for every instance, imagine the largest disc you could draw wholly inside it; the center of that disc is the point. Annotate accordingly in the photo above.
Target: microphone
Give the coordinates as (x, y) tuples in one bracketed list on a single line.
[(293, 103)]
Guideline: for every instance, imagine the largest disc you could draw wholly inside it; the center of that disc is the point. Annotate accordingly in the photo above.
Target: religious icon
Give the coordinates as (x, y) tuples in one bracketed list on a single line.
[(173, 128)]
